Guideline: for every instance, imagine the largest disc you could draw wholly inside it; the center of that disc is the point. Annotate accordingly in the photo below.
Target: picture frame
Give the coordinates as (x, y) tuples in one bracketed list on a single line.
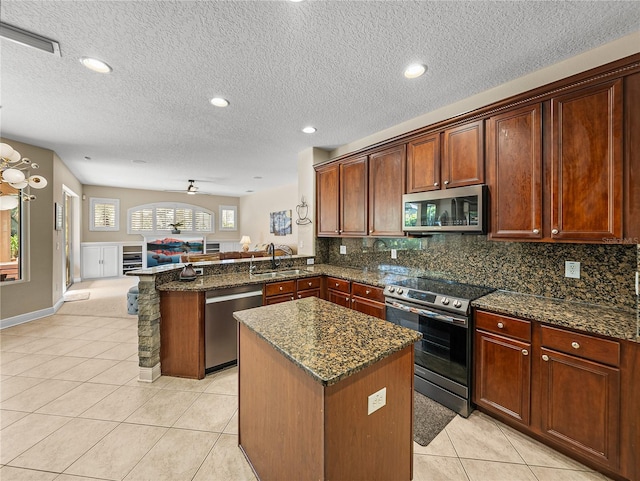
[(58, 213)]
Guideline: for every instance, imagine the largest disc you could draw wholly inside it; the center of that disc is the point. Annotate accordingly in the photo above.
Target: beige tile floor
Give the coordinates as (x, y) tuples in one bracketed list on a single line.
[(71, 408)]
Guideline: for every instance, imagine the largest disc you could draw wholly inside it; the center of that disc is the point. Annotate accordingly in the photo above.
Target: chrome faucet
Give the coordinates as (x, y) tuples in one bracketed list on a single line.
[(252, 268), (274, 264)]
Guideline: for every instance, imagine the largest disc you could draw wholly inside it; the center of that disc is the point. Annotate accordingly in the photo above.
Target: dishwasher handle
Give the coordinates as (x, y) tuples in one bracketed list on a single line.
[(231, 297)]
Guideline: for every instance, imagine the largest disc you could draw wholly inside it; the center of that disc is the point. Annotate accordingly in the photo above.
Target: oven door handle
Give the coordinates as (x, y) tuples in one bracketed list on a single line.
[(430, 314)]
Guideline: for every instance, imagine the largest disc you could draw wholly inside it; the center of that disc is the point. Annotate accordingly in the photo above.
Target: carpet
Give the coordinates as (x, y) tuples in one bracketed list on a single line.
[(429, 418), (76, 296)]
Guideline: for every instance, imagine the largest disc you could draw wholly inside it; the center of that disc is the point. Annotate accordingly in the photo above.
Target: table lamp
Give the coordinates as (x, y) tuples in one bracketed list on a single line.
[(245, 241)]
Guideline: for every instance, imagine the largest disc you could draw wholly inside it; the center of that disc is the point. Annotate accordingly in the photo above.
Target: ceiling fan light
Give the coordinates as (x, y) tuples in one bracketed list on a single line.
[(37, 182), (309, 130), (13, 176)]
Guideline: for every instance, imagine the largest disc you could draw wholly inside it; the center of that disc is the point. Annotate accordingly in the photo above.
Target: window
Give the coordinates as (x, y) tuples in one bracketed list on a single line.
[(105, 214), (11, 253), (157, 219), (228, 217)]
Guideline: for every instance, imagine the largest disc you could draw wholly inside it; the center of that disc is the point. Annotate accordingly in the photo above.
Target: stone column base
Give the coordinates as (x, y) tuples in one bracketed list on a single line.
[(149, 374)]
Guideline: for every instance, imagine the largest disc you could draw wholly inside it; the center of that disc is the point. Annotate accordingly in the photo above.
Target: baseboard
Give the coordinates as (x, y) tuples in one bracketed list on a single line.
[(30, 316), (149, 374)]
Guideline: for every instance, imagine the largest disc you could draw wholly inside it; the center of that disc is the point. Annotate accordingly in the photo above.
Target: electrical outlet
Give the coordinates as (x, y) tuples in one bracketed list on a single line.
[(394, 253), (343, 249), (199, 270), (310, 262), (572, 269), (376, 400)]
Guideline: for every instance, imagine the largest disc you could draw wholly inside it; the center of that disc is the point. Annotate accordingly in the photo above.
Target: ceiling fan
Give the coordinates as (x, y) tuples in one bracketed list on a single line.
[(191, 189)]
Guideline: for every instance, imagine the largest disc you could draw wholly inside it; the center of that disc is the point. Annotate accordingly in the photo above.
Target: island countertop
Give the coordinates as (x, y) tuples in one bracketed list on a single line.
[(327, 341)]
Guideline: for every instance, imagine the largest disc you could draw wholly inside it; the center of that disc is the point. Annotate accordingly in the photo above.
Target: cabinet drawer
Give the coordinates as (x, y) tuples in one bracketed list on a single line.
[(581, 345), (338, 284), (368, 292), (503, 325), (308, 283), (279, 288)]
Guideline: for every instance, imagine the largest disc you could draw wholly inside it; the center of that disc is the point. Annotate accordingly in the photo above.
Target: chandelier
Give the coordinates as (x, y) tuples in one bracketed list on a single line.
[(14, 169)]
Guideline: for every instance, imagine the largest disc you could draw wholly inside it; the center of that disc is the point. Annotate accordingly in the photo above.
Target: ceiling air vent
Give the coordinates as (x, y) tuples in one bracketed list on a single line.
[(29, 39)]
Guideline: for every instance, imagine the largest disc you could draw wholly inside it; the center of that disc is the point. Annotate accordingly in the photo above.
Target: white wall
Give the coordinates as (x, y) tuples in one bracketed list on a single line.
[(254, 216)]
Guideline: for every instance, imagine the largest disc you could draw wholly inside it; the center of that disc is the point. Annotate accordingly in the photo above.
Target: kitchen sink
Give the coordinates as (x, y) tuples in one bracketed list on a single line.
[(292, 272), (274, 274), (264, 275)]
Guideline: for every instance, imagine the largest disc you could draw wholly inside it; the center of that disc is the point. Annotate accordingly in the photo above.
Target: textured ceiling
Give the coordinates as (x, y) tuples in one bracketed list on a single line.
[(336, 65)]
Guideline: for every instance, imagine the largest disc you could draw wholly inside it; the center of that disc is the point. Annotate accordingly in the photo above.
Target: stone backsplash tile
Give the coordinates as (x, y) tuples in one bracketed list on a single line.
[(607, 271)]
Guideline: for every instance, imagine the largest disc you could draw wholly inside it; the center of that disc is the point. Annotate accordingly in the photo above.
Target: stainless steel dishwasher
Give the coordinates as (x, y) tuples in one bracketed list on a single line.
[(220, 327)]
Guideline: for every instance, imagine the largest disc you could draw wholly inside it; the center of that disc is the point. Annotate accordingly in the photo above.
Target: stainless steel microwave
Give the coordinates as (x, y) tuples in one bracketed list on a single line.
[(461, 209)]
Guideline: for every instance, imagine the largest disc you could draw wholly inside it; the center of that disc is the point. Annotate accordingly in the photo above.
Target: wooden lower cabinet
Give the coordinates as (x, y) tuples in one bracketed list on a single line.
[(182, 333), (360, 297), (580, 405), (503, 376), (283, 291), (561, 387)]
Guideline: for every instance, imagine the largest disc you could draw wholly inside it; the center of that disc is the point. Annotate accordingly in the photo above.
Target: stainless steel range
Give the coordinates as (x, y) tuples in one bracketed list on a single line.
[(440, 311)]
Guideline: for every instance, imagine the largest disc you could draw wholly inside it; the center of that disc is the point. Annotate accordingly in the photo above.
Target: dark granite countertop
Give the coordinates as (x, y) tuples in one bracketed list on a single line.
[(591, 318), (327, 341), (205, 283)]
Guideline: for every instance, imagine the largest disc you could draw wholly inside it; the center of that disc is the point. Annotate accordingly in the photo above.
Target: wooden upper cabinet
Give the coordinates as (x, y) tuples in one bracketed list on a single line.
[(386, 187), (327, 199), (514, 173), (353, 197), (587, 163), (463, 155), (423, 164)]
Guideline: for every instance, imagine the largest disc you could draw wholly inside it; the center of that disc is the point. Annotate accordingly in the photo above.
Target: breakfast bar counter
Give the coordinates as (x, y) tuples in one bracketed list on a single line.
[(325, 393)]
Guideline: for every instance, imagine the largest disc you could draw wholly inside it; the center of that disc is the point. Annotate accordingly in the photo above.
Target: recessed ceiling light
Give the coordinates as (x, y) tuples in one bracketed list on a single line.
[(249, 191), (257, 177), (296, 1), (95, 65), (309, 130), (414, 70), (86, 157), (219, 102), (139, 161)]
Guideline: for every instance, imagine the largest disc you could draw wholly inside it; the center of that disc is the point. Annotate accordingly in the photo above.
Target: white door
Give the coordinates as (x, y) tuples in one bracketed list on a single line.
[(91, 262), (110, 261)]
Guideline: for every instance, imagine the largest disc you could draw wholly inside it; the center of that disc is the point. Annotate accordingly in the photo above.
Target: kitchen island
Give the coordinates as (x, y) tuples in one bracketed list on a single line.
[(325, 393)]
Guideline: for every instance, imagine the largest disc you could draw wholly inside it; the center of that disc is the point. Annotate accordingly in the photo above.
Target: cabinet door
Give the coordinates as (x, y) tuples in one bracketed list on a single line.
[(463, 156), (278, 299), (339, 298), (373, 308), (423, 164), (353, 197), (386, 186), (91, 262), (308, 293), (327, 197), (110, 261), (581, 405), (515, 173), (503, 376), (586, 163)]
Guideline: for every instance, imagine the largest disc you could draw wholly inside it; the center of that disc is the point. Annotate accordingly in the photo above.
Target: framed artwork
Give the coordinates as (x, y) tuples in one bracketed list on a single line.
[(168, 250), (58, 216), (280, 222)]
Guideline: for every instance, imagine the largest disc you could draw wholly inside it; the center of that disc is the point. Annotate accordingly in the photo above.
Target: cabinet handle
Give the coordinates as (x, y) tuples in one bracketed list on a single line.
[(435, 184), (446, 182), (367, 291), (370, 231), (340, 231), (310, 284), (336, 231), (575, 345), (337, 284), (500, 325), (554, 231), (536, 231), (545, 357), (292, 298), (353, 300), (299, 296), (525, 352), (346, 299), (280, 287)]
